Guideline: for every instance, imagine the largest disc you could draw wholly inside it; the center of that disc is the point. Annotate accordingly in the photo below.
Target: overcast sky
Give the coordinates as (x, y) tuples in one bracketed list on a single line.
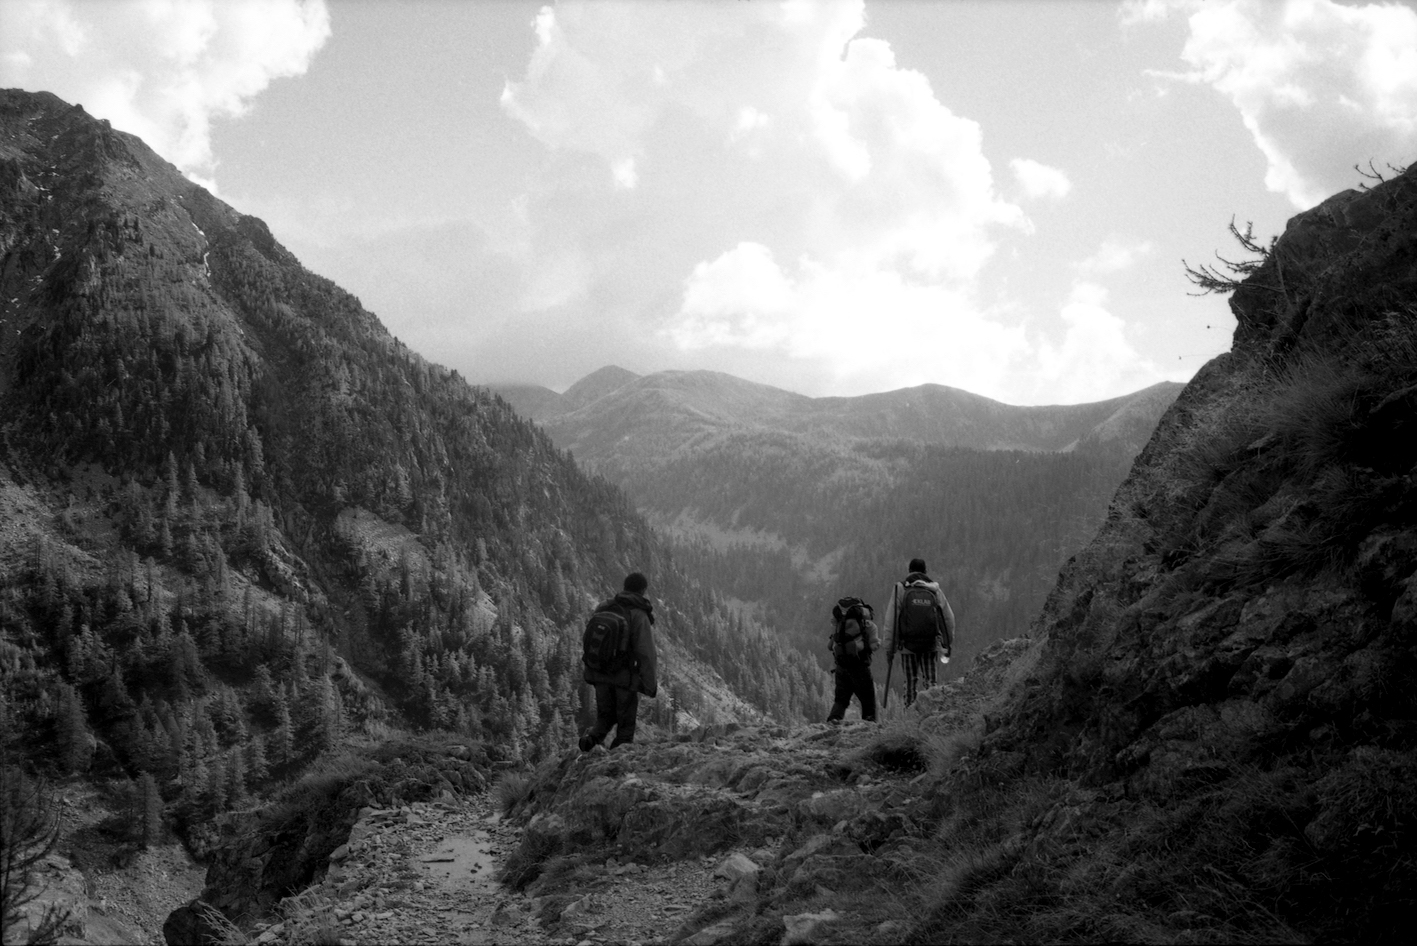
[(833, 198)]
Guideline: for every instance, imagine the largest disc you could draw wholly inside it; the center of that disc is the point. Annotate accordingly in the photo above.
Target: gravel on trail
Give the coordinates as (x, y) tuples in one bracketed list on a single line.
[(424, 873)]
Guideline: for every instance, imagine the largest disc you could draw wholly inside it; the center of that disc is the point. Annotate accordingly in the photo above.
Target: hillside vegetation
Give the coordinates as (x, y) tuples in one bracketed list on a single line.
[(241, 524)]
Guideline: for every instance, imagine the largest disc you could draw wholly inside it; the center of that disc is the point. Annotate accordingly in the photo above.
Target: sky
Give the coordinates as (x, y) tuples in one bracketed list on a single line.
[(830, 197)]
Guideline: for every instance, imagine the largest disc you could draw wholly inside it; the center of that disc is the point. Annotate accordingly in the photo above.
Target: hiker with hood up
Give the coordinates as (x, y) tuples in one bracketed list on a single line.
[(921, 627), (620, 662)]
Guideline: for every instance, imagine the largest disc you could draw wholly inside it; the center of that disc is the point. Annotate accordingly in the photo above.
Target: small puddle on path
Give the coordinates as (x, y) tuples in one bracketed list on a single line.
[(464, 864)]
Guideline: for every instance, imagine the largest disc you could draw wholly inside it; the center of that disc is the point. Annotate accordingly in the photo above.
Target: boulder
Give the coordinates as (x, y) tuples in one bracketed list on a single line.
[(735, 866), (832, 807), (712, 935), (802, 928)]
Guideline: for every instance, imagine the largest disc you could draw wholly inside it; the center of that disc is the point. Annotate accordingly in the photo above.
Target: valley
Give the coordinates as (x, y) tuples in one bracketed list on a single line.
[(788, 502), (284, 599)]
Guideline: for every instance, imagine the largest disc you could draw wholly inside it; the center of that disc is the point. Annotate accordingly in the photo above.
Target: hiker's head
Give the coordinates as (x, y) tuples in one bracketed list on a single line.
[(635, 583), (917, 565)]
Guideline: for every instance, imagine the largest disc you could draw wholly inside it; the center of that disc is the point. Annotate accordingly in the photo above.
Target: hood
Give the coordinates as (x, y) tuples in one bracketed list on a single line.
[(631, 600), (920, 578)]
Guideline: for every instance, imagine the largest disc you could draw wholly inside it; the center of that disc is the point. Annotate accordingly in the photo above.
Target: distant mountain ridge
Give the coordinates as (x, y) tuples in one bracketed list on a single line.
[(591, 417)]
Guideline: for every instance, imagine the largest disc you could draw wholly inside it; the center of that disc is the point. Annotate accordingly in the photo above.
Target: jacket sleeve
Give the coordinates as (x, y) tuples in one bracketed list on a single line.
[(946, 641), (645, 654), (888, 620), (873, 636)]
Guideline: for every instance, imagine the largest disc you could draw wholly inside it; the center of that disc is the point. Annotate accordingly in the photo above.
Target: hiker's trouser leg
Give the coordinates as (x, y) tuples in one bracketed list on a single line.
[(842, 697), (627, 708), (918, 668), (615, 708), (853, 679)]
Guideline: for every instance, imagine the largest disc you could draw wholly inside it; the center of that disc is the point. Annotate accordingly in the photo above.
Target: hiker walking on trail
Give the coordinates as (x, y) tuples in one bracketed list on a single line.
[(619, 660), (921, 627), (854, 639)]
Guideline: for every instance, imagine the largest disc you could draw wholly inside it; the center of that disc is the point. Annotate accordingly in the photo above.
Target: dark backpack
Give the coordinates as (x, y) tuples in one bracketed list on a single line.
[(917, 619), (852, 615), (605, 645)]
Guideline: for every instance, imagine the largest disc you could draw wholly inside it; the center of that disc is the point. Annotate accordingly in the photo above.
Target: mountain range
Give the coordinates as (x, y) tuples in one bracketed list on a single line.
[(614, 415)]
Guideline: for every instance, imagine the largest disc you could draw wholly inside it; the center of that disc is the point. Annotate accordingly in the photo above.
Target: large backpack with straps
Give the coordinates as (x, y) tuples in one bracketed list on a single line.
[(605, 645), (917, 618), (849, 639)]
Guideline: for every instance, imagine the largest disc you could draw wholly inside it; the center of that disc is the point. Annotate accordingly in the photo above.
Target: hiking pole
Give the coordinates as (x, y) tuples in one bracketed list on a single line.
[(890, 665)]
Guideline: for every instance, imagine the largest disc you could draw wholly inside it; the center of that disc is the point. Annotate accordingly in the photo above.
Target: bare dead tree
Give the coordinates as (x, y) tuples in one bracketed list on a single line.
[(1374, 175), (1227, 277), (29, 828)]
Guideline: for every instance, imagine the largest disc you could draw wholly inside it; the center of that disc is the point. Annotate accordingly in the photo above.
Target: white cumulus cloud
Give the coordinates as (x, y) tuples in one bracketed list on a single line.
[(160, 69), (869, 329), (1094, 360), (827, 194), (1320, 86), (1115, 255), (1040, 180)]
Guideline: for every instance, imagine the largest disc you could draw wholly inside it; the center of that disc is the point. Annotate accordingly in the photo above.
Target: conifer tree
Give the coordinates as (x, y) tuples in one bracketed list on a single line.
[(75, 742), (150, 809)]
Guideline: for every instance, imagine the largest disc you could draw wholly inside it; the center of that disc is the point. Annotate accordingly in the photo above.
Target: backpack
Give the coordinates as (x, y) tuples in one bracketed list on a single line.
[(917, 619), (852, 615), (605, 645)]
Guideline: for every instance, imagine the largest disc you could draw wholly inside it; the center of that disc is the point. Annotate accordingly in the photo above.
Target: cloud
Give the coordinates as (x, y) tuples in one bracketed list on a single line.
[(869, 329), (1114, 255), (160, 69), (799, 193), (1094, 360), (1319, 85), (1133, 12), (1040, 180)]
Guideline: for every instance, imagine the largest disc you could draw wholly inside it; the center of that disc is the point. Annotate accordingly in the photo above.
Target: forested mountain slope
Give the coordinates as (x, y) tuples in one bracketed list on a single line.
[(240, 523), (790, 502)]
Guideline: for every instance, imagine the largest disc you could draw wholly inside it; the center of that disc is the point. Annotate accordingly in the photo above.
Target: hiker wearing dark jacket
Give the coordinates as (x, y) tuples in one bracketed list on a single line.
[(853, 660), (617, 694), (921, 630)]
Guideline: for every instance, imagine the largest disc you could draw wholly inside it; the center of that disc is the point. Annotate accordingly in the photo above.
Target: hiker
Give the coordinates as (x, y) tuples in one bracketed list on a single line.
[(619, 662), (854, 639), (922, 627)]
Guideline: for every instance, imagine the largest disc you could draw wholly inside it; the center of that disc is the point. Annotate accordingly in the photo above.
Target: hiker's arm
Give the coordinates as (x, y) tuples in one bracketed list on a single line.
[(948, 642), (645, 652), (873, 635), (889, 620)]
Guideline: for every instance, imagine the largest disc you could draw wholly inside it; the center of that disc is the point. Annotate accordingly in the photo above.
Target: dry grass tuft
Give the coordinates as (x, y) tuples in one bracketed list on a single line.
[(227, 933), (309, 920), (511, 789)]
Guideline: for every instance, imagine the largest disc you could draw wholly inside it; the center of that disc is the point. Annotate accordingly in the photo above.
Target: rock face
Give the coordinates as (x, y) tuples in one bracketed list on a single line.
[(258, 857), (1236, 646)]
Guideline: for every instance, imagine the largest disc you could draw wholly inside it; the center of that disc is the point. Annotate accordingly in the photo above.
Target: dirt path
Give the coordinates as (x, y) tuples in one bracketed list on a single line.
[(424, 873)]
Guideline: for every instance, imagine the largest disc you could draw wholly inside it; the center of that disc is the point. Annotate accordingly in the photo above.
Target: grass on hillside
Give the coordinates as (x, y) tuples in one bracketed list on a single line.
[(1295, 462)]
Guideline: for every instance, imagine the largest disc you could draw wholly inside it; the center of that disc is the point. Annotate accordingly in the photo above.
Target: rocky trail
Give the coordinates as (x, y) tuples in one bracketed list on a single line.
[(758, 832), (695, 839), (425, 873)]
